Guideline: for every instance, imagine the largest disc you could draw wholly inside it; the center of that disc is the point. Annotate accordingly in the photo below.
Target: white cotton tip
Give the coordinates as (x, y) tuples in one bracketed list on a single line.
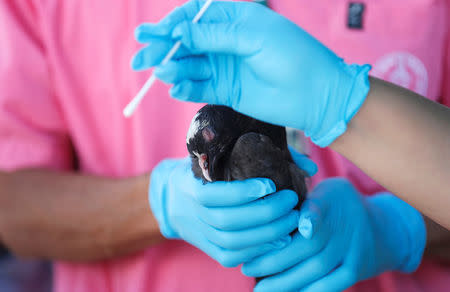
[(129, 110), (131, 107)]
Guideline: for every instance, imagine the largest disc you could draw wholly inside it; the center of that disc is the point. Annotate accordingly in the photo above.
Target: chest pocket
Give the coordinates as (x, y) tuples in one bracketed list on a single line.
[(404, 41)]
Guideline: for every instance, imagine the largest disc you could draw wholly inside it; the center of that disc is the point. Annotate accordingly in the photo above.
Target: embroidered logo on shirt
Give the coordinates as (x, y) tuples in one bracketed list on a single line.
[(403, 69), (355, 15)]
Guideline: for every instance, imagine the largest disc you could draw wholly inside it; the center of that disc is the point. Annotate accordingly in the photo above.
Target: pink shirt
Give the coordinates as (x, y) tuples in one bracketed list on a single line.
[(408, 43), (64, 81), (65, 78)]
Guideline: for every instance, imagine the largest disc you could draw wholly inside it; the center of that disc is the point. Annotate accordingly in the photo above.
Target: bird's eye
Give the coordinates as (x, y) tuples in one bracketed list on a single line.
[(205, 164)]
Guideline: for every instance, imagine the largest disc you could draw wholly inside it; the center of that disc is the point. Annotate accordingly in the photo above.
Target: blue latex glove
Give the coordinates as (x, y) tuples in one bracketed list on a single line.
[(252, 59), (303, 162), (226, 220), (344, 238)]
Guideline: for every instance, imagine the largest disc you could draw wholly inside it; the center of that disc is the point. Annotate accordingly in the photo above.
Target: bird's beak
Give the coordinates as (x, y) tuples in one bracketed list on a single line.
[(204, 166)]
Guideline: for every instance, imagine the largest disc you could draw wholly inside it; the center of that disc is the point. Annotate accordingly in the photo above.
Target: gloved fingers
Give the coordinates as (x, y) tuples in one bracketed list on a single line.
[(304, 162), (217, 12), (194, 68), (164, 27), (232, 258), (312, 213), (228, 194), (316, 208), (310, 219), (215, 38), (256, 213), (251, 237), (194, 91), (149, 32), (338, 280), (191, 233), (279, 260), (303, 274), (154, 53)]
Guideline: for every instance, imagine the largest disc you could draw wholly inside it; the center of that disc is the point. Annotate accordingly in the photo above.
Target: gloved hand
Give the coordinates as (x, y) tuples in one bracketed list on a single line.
[(252, 59), (303, 162), (226, 220), (344, 238)]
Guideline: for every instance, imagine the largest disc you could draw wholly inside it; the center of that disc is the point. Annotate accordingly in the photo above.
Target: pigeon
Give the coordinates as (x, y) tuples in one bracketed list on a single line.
[(225, 145)]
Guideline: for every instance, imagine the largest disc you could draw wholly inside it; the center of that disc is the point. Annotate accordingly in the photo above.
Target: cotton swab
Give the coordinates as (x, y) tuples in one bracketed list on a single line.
[(131, 107)]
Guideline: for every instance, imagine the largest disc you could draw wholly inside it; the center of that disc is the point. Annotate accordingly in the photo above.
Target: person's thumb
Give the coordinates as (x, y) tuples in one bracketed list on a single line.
[(310, 220), (303, 162)]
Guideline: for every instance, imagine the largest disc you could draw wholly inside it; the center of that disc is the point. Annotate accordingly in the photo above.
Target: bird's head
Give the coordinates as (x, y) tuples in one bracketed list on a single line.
[(210, 140)]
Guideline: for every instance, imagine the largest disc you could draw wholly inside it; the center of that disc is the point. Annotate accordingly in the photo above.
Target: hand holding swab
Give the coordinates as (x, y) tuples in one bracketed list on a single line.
[(131, 107)]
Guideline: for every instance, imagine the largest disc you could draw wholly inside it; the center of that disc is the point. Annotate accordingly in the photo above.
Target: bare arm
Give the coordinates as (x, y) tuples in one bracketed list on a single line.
[(74, 217), (414, 165), (402, 140), (438, 241)]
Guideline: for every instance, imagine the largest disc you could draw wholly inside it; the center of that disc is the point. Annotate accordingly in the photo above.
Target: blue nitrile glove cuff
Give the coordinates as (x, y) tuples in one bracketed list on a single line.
[(157, 196), (358, 90), (412, 226)]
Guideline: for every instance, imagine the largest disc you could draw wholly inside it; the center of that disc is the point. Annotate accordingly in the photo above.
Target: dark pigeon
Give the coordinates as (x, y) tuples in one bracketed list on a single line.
[(225, 145)]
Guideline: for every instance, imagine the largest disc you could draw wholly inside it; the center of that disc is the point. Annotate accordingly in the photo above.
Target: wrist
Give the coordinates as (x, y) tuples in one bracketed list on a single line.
[(403, 230), (157, 196), (346, 97), (135, 229)]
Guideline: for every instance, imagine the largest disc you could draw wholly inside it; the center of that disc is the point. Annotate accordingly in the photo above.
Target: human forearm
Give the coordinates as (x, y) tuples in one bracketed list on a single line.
[(74, 217), (438, 241), (402, 141)]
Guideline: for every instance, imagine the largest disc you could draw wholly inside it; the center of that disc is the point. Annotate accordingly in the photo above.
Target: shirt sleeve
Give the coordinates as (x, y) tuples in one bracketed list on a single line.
[(32, 130)]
